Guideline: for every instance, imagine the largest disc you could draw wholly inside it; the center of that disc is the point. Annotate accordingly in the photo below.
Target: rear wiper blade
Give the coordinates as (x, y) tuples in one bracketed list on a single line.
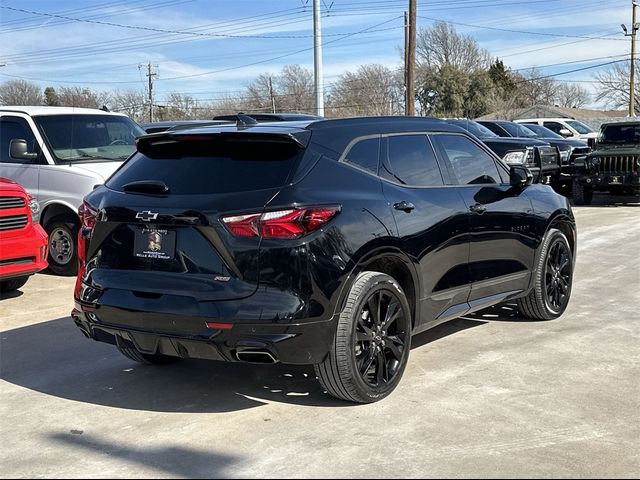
[(154, 187)]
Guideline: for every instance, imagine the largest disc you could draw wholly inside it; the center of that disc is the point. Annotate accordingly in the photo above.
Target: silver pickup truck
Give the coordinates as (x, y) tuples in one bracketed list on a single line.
[(58, 155)]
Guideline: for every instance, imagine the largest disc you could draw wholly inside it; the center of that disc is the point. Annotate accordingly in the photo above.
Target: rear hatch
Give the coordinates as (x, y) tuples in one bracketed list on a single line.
[(159, 229)]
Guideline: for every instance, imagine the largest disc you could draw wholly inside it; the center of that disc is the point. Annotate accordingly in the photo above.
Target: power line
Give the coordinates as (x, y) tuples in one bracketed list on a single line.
[(519, 31)]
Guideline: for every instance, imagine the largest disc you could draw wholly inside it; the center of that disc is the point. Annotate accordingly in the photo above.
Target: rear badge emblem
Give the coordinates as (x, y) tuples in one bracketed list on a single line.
[(220, 278), (146, 215)]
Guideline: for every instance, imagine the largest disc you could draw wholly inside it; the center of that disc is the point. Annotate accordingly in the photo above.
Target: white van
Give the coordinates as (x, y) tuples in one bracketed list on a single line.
[(58, 155), (567, 127)]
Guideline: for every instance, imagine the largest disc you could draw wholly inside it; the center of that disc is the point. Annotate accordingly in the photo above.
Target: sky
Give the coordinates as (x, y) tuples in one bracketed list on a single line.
[(209, 49)]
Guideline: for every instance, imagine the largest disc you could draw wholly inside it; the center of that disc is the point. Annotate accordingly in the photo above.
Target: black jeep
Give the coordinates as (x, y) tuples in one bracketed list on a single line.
[(613, 166)]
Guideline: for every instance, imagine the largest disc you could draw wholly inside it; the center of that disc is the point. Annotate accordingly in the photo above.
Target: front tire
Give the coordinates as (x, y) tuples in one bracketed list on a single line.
[(63, 245), (7, 286), (372, 341), (582, 195), (553, 280)]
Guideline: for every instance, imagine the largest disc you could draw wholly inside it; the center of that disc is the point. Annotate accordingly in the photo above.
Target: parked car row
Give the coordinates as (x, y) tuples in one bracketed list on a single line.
[(304, 241)]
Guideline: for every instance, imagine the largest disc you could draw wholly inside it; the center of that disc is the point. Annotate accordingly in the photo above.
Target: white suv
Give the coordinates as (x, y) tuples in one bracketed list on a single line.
[(58, 155), (567, 127)]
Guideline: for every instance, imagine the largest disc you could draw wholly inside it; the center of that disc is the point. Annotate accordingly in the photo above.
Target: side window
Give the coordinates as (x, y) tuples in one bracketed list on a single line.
[(554, 126), (15, 127), (365, 154), (468, 162), (413, 161)]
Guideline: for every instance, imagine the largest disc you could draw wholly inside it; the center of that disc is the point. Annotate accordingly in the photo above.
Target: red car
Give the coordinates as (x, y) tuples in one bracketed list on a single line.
[(23, 243)]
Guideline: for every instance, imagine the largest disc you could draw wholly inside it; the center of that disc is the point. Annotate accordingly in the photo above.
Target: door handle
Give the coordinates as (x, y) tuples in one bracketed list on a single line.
[(404, 206), (478, 208)]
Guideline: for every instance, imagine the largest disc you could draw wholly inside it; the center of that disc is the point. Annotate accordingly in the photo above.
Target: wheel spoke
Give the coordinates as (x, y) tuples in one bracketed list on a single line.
[(374, 308), (381, 368), (393, 312), (368, 331), (394, 348), (366, 361), (363, 337)]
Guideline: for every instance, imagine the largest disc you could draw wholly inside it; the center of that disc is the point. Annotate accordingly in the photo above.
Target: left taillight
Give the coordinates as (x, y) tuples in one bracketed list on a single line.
[(289, 223), (87, 216)]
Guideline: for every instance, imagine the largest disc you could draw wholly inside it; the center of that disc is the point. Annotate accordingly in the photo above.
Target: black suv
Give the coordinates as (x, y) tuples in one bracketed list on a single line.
[(614, 166), (541, 158), (327, 243)]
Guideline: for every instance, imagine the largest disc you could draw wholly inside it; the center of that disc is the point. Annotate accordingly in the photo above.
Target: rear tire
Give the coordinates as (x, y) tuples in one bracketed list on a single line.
[(553, 280), (582, 195), (63, 245), (372, 341), (13, 284), (145, 358)]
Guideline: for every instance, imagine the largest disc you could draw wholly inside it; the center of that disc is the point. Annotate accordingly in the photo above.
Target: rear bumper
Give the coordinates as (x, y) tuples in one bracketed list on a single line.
[(188, 336), (25, 254)]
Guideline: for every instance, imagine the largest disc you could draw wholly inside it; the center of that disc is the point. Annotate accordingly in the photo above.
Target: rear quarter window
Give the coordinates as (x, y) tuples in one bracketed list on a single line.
[(209, 167)]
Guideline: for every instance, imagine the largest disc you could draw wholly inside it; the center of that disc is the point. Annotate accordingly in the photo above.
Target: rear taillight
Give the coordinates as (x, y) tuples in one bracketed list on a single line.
[(87, 216), (290, 223)]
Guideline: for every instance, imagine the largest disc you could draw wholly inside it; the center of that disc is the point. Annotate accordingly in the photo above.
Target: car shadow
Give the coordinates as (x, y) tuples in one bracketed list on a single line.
[(13, 294), (605, 200), (503, 312), (54, 358), (178, 460)]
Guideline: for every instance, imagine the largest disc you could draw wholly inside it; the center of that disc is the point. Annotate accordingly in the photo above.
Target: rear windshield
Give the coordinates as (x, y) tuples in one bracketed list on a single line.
[(209, 167)]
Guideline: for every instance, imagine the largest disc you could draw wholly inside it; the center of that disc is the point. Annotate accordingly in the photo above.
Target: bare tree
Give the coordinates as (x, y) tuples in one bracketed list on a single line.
[(291, 90), (613, 86), (181, 107), (572, 95), (131, 103), (20, 92), (296, 90), (82, 97), (534, 88), (441, 45), (371, 90)]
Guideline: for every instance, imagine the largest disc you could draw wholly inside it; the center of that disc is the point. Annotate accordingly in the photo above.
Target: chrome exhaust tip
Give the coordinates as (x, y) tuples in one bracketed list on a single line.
[(255, 356)]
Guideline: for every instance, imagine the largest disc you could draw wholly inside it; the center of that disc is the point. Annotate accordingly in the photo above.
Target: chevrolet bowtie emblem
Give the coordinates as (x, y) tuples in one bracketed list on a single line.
[(146, 216)]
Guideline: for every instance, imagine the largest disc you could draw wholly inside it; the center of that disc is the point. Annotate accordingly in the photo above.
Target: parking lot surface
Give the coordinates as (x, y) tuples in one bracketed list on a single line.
[(490, 395)]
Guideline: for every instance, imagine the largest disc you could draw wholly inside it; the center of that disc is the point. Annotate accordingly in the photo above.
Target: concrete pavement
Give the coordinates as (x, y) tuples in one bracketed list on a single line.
[(490, 395)]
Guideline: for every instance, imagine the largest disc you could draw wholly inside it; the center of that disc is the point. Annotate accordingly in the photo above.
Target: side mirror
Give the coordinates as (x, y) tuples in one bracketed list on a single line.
[(520, 176), (19, 150), (565, 132)]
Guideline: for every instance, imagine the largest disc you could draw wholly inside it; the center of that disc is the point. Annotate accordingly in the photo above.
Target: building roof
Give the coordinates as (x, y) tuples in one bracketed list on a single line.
[(549, 111)]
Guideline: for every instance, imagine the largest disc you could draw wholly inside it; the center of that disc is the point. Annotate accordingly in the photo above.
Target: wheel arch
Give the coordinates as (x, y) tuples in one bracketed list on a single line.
[(56, 209), (393, 262)]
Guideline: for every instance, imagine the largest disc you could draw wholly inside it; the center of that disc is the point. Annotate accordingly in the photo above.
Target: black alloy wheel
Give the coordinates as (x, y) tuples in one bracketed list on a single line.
[(557, 276), (380, 338), (372, 342), (553, 278)]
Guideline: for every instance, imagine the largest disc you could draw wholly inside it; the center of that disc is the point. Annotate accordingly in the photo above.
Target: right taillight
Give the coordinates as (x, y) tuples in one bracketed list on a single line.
[(87, 216), (289, 223)]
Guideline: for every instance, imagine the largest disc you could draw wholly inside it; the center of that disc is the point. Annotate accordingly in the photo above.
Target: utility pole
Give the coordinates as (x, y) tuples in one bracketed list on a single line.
[(272, 96), (406, 63), (411, 60), (632, 68), (150, 76), (317, 59)]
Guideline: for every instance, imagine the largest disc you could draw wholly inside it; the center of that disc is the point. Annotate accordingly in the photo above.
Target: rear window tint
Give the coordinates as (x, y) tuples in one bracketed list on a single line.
[(208, 167)]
